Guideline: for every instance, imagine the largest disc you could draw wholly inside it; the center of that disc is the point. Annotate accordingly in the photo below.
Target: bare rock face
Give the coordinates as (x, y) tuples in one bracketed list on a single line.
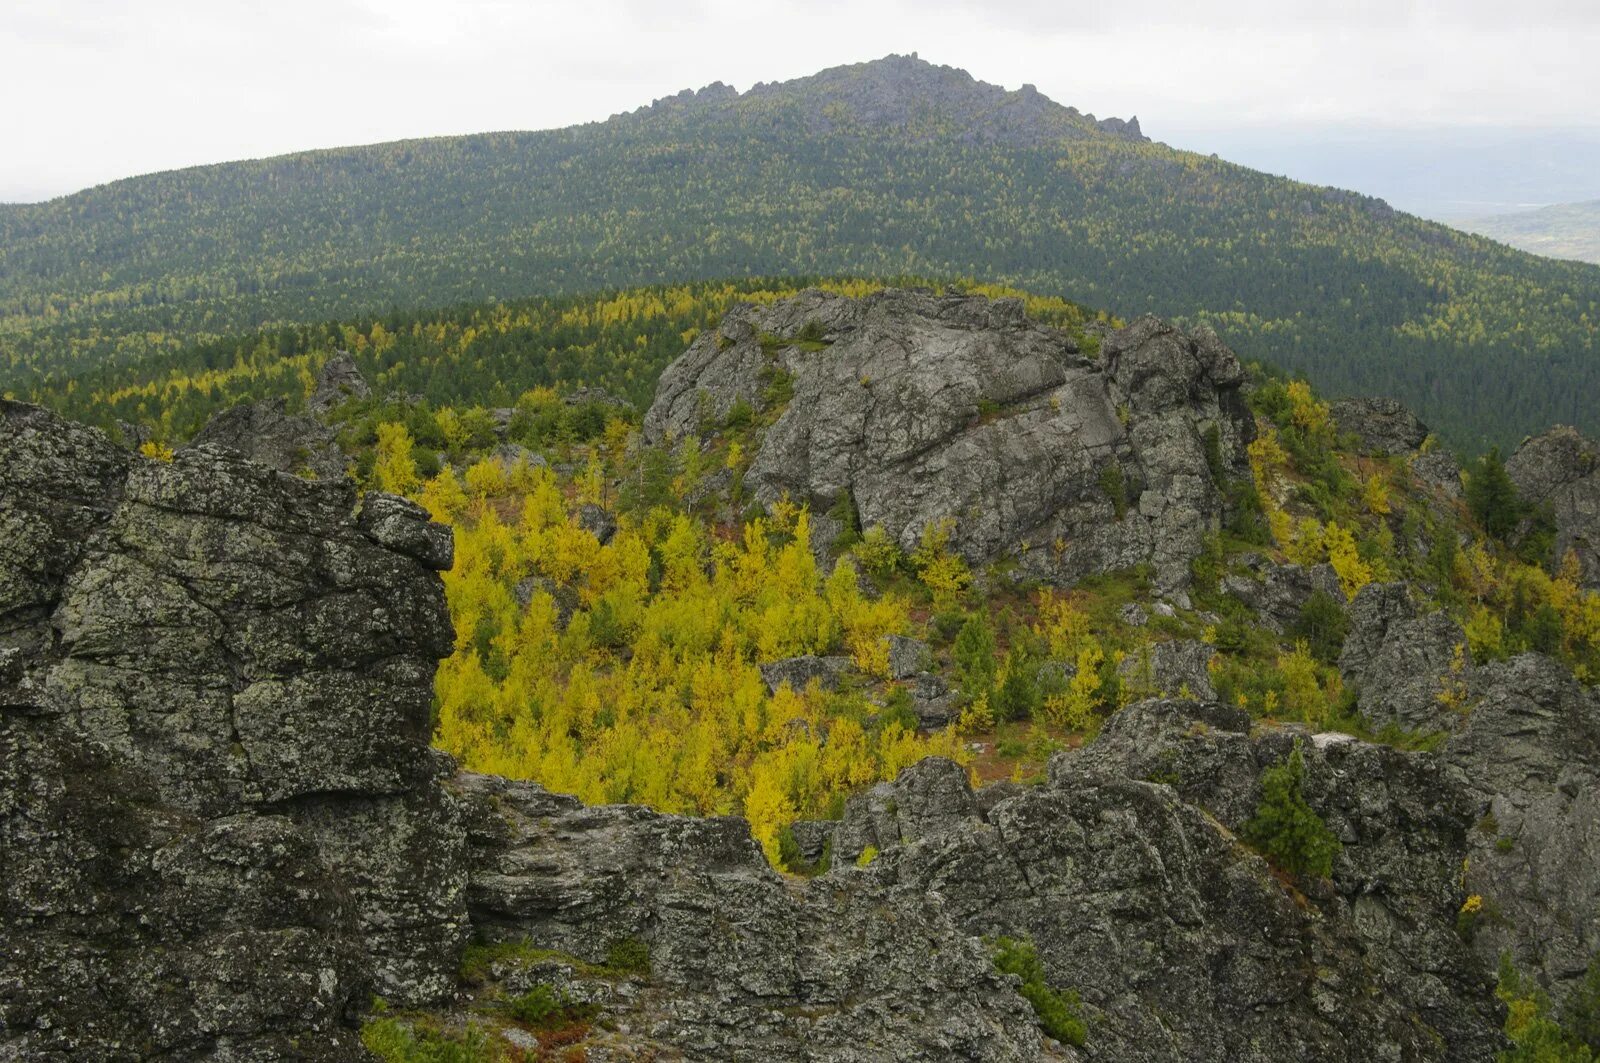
[(742, 965), (926, 408), (1403, 820), (1530, 752), (1382, 425), (1561, 469), (217, 805), (1125, 871), (1400, 660), (338, 381), (263, 432)]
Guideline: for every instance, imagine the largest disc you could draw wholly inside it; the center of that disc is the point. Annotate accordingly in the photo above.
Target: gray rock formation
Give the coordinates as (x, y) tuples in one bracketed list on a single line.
[(799, 672), (1403, 819), (907, 656), (222, 831), (742, 967), (338, 381), (1182, 942), (1561, 470), (263, 432), (1530, 752), (220, 823), (1401, 660), (930, 408), (1278, 593), (1383, 426), (1178, 667), (1440, 470)]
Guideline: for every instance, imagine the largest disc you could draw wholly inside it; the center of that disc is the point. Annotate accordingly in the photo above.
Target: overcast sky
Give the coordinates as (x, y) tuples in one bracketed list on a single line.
[(100, 89)]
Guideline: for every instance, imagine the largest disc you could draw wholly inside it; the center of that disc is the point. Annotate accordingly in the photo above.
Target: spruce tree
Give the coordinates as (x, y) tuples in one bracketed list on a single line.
[(1287, 829)]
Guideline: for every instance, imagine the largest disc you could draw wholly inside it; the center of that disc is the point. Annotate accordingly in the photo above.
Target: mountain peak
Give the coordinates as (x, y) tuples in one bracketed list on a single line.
[(908, 93)]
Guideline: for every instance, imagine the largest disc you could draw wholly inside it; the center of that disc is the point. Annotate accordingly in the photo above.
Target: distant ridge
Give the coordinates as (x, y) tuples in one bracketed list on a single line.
[(889, 168)]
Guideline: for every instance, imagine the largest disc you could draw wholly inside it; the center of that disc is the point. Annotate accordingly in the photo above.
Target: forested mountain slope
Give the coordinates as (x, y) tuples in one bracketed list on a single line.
[(883, 169)]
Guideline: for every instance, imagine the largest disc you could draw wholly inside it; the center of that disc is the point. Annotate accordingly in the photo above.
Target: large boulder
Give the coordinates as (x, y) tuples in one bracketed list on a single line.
[(263, 432), (1406, 665), (1561, 470), (220, 823), (338, 381), (1278, 593), (1381, 425), (929, 408)]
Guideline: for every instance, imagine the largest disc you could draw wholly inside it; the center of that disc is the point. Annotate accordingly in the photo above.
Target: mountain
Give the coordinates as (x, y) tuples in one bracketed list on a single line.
[(1565, 230), (886, 168)]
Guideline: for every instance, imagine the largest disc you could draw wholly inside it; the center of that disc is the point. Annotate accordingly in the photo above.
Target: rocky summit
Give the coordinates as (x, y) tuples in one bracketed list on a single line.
[(921, 408)]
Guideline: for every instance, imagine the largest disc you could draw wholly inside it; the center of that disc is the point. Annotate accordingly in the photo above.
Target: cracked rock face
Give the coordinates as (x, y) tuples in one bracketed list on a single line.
[(743, 965), (1401, 660), (217, 804), (1561, 469), (1382, 425), (927, 408), (1125, 871), (1530, 752)]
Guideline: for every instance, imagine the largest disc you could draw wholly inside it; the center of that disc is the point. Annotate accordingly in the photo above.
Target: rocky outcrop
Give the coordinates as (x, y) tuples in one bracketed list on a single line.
[(300, 444), (1530, 752), (338, 381), (220, 823), (1403, 663), (1279, 593), (1178, 667), (1381, 425), (1403, 820), (742, 966), (1561, 470), (263, 432), (1440, 470), (222, 830), (926, 408), (1126, 872)]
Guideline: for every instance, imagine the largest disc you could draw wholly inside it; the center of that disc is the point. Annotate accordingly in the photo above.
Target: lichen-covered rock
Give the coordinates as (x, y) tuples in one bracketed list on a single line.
[(1561, 469), (217, 804), (1440, 470), (1403, 820), (929, 408), (800, 672), (1530, 752), (1278, 593), (1179, 667), (338, 381), (263, 432), (742, 966), (1382, 425), (1402, 662)]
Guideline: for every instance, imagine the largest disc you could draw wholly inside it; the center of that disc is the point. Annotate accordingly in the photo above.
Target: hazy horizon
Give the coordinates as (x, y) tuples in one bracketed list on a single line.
[(116, 92)]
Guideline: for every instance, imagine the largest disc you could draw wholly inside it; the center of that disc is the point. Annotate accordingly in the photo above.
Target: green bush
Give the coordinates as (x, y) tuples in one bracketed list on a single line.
[(974, 656), (630, 954), (545, 1007), (1057, 1009), (1287, 829), (393, 1041)]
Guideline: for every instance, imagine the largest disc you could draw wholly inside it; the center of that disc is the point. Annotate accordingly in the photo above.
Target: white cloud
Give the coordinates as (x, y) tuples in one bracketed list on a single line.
[(116, 88)]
